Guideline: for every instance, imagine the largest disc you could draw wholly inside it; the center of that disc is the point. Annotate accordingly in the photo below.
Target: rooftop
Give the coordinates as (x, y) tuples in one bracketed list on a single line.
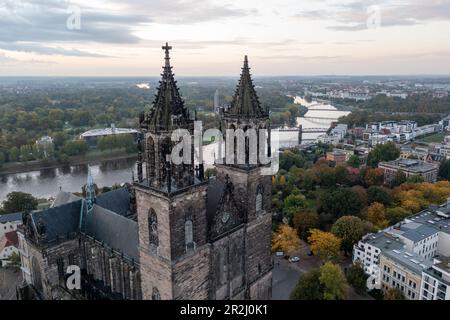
[(383, 241), (414, 231), (411, 165), (10, 217), (410, 260)]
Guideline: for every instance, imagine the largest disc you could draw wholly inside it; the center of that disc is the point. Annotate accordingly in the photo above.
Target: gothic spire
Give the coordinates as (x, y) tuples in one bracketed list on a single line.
[(245, 102), (168, 108)]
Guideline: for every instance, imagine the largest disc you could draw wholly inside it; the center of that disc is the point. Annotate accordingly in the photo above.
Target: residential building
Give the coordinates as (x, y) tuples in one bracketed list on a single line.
[(337, 156), (8, 247), (9, 222), (402, 269), (436, 280)]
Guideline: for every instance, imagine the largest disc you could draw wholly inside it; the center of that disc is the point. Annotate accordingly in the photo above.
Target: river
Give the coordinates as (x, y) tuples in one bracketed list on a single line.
[(46, 183)]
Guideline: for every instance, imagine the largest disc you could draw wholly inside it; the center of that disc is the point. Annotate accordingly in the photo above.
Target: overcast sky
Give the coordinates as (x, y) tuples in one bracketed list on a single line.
[(210, 37)]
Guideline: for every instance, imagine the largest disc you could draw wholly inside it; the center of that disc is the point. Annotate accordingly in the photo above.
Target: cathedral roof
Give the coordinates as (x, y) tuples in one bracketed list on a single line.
[(245, 103), (116, 231), (117, 201), (59, 221), (168, 108), (64, 197)]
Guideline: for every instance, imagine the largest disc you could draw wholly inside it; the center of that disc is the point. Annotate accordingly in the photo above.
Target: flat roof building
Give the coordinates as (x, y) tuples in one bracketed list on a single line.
[(411, 167)]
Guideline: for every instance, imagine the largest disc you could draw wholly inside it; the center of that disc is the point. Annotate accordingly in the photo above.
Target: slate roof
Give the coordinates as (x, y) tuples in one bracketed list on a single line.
[(10, 217), (59, 221), (114, 230), (117, 201), (64, 197)]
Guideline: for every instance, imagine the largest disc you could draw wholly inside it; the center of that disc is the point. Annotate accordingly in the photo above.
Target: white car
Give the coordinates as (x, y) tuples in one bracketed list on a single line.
[(294, 259)]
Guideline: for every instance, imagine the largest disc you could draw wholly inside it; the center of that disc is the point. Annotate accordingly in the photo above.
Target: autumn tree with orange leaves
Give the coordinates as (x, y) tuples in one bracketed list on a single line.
[(285, 239), (323, 244)]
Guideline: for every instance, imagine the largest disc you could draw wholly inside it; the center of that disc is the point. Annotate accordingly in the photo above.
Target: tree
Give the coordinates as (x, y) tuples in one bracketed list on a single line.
[(399, 178), (373, 176), (376, 214), (14, 260), (354, 161), (415, 179), (444, 170), (383, 152), (333, 281), (285, 239), (293, 204), (339, 202), (396, 214), (303, 221), (323, 244), (394, 294), (379, 194), (18, 202), (14, 154), (357, 278), (308, 286), (350, 230)]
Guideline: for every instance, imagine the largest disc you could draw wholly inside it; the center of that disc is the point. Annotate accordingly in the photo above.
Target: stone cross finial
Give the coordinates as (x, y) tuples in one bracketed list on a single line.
[(166, 48)]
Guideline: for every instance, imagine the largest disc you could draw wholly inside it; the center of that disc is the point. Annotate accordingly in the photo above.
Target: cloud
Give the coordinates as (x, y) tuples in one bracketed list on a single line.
[(34, 48), (353, 16), (7, 61)]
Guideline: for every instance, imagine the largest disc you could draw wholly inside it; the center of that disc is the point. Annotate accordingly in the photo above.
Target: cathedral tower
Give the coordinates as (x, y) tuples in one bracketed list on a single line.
[(170, 201)]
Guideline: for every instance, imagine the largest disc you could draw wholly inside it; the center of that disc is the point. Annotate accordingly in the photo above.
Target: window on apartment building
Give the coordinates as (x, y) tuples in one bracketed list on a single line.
[(395, 273), (403, 278), (413, 295)]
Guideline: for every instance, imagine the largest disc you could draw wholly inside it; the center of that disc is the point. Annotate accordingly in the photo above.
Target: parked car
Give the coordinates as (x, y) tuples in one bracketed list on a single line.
[(310, 253), (294, 259), (279, 254)]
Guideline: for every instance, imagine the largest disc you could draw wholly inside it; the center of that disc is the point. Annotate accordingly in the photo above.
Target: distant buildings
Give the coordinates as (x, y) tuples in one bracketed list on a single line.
[(93, 135), (428, 171), (412, 256), (337, 156)]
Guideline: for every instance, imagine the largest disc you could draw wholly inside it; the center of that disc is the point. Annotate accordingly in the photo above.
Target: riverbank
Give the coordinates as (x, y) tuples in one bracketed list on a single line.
[(92, 156)]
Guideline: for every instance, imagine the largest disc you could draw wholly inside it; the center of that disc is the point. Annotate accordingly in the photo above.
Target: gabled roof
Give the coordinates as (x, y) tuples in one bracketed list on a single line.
[(117, 201), (59, 221), (245, 103), (64, 197), (116, 231), (10, 217)]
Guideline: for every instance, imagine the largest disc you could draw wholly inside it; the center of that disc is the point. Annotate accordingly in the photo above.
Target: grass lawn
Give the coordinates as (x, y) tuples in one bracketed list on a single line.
[(433, 138)]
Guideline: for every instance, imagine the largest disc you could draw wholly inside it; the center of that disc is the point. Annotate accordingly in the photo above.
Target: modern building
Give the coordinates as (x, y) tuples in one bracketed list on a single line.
[(436, 280), (367, 253), (410, 167), (93, 135)]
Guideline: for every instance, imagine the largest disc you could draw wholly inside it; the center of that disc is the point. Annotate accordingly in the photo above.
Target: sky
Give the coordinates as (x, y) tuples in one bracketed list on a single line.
[(211, 37)]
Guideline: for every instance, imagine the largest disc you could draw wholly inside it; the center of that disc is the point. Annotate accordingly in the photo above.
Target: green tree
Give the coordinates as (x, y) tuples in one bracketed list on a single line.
[(383, 152), (339, 202), (415, 179), (396, 214), (354, 161), (293, 204), (333, 281), (350, 229), (399, 178), (14, 154), (308, 286), (18, 202), (379, 194), (357, 278)]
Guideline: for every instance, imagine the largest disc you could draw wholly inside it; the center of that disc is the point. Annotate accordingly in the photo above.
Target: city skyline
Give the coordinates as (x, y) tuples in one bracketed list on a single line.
[(210, 38)]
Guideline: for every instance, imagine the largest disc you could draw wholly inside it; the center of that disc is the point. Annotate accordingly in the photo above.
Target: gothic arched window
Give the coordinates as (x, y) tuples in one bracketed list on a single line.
[(153, 229), (259, 199), (189, 230), (155, 294)]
